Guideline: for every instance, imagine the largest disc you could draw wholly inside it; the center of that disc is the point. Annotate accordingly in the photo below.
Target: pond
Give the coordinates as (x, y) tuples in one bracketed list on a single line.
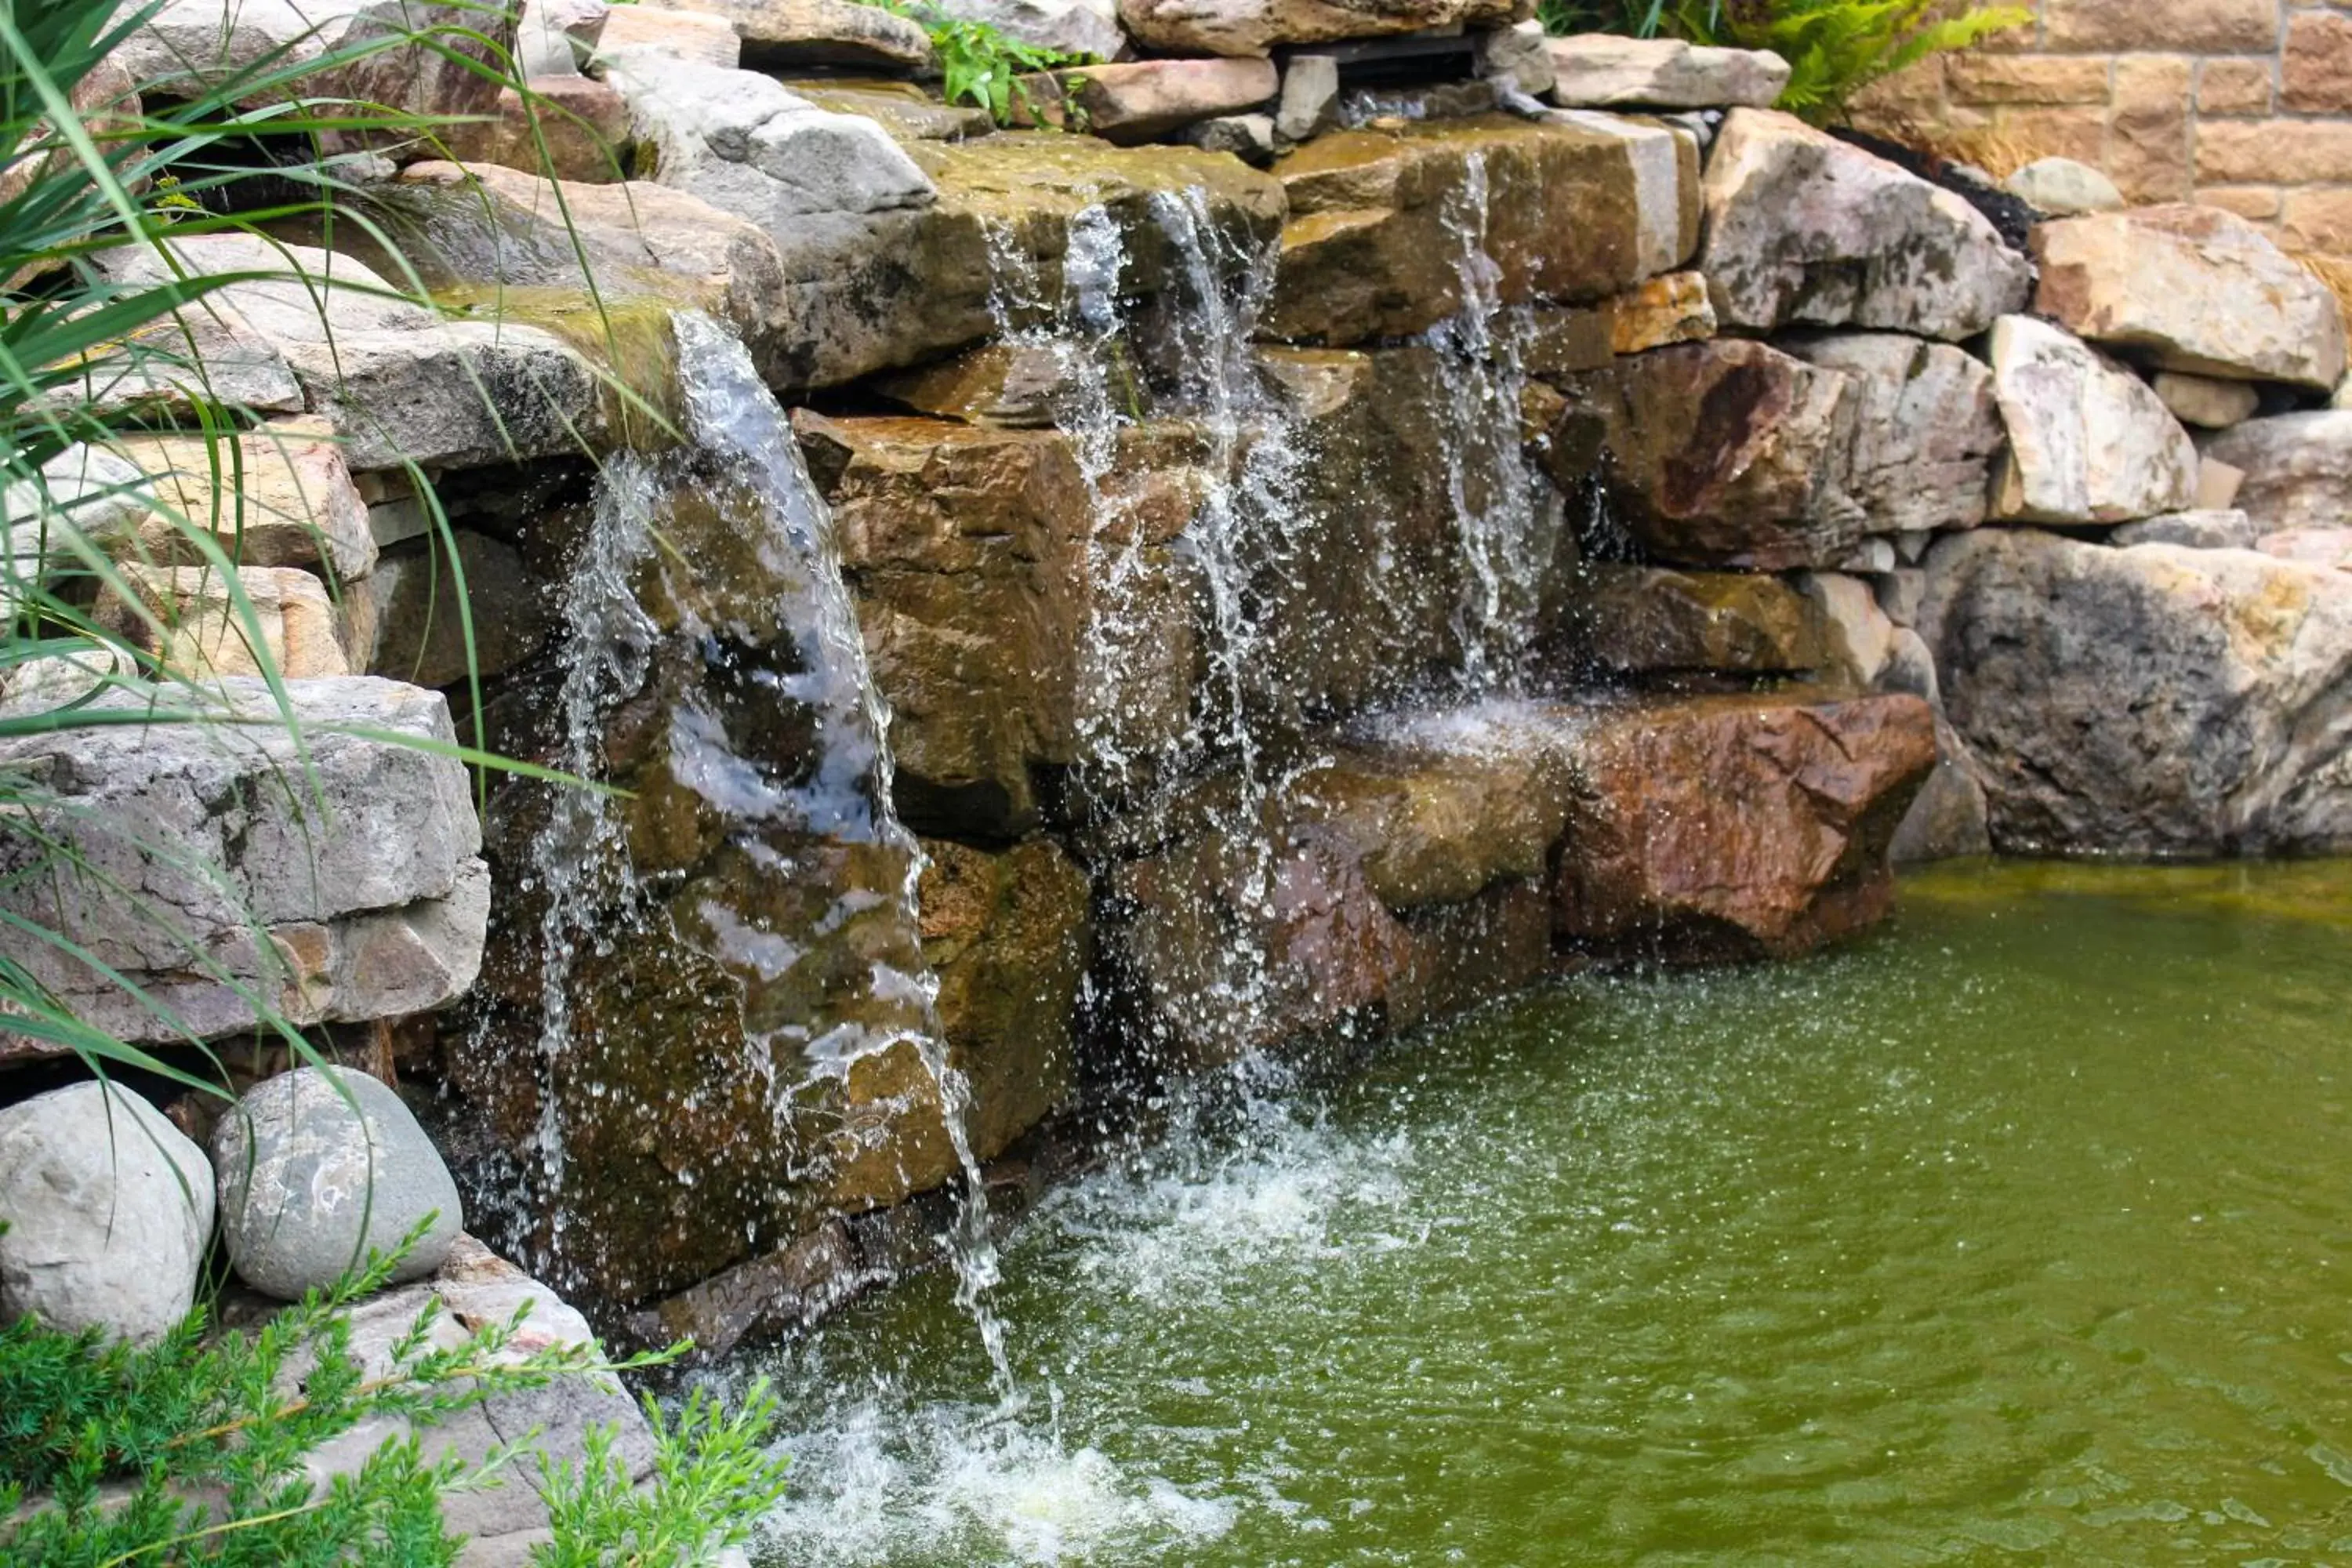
[(2018, 1232)]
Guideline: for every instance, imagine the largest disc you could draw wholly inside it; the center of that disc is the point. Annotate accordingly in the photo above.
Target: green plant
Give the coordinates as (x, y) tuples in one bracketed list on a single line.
[(1834, 48), (979, 63), (190, 1451)]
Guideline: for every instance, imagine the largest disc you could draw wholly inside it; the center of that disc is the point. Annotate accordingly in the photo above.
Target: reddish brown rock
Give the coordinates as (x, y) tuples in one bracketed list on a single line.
[(1142, 99), (1737, 826)]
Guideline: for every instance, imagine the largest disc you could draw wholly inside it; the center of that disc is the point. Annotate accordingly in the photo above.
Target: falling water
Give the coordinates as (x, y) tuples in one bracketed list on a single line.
[(1508, 533), (743, 459)]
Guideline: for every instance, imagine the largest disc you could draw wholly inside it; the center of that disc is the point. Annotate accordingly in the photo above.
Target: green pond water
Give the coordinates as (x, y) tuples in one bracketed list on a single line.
[(2020, 1232)]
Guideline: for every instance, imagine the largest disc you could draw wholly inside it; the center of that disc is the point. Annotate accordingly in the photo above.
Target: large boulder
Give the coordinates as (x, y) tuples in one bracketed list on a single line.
[(2157, 699), (1383, 223), (2088, 441), (1737, 827), (1805, 229), (107, 1210), (1925, 427), (1729, 453), (1256, 27), (1601, 71), (327, 865), (2297, 468), (318, 1168), (2190, 288)]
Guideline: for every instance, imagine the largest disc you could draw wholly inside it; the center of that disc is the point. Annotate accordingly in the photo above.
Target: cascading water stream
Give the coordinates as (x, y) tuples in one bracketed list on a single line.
[(742, 451)]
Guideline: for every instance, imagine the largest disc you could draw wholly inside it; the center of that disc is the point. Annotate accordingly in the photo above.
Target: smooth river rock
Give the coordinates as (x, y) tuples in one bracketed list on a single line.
[(356, 855), (2157, 699), (2190, 288), (2088, 441), (1802, 228), (1714, 828), (2297, 468), (107, 1210), (316, 1172)]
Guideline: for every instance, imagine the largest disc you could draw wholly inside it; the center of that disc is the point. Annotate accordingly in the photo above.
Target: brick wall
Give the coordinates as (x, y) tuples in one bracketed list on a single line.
[(2245, 104)]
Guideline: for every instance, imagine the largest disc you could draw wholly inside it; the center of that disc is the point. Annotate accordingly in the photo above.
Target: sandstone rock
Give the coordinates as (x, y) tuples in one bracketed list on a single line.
[(2204, 401), (772, 1294), (570, 127), (558, 38), (1737, 827), (85, 493), (1860, 641), (2149, 700), (355, 855), (1009, 937), (109, 1211), (2329, 547), (1729, 453), (1650, 620), (836, 34), (279, 495), (1145, 100), (2064, 188), (1255, 26), (2218, 483), (1249, 137), (1666, 180), (698, 36), (901, 108), (205, 354), (1012, 385), (2088, 441), (642, 241), (945, 528), (1601, 71), (2228, 530), (1068, 27), (1310, 97), (1803, 228), (1926, 428), (2190, 288), (1375, 243), (1517, 57), (413, 625), (190, 618), (1673, 309), (2297, 468), (317, 1171)]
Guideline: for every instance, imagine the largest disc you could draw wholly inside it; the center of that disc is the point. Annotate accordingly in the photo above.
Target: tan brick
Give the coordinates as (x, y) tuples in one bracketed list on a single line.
[(2206, 27), (2315, 70), (2026, 134), (2318, 220), (2235, 87), (2258, 202), (2025, 41), (2027, 78), (2147, 135), (2275, 152)]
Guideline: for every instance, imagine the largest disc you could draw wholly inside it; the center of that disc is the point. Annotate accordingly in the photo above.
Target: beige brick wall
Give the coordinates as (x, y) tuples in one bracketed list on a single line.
[(2246, 104)]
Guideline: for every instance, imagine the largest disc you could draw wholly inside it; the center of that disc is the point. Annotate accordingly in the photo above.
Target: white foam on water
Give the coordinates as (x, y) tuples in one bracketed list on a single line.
[(875, 1484)]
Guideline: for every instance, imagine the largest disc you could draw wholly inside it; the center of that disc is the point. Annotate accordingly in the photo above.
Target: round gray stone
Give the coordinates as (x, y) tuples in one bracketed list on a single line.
[(304, 1194), (109, 1208)]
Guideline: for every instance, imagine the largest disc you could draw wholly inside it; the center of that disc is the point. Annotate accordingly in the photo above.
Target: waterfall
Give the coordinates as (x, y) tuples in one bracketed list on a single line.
[(1507, 535), (709, 589)]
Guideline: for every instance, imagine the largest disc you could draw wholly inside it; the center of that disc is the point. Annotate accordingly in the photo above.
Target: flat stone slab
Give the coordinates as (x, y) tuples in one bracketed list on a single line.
[(1602, 71)]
